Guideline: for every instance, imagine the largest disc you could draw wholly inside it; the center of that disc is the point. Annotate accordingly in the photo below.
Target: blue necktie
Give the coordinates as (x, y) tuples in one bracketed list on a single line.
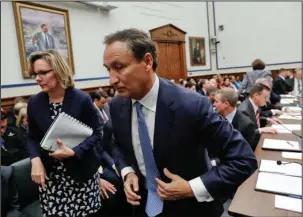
[(154, 205)]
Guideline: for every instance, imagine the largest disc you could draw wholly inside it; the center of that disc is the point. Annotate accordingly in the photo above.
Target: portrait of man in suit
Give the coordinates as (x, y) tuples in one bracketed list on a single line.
[(43, 40), (162, 133), (197, 51)]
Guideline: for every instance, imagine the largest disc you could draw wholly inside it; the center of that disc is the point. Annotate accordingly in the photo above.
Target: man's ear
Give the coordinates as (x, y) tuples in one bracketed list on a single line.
[(148, 59)]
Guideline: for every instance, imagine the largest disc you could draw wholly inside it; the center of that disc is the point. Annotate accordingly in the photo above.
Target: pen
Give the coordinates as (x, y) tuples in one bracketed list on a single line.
[(289, 143), (294, 196)]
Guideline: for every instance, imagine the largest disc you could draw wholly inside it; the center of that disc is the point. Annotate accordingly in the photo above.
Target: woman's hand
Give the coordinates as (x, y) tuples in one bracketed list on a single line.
[(38, 172), (62, 152), (106, 187)]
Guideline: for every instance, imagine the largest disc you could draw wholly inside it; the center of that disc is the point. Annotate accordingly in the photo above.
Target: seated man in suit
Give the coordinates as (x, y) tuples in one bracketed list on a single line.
[(298, 82), (161, 132), (280, 86), (10, 206), (250, 107), (225, 102), (203, 85), (100, 100)]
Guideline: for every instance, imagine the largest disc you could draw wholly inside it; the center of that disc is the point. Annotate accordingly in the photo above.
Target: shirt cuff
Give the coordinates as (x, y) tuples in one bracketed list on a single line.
[(200, 191), (125, 171), (273, 112), (259, 129)]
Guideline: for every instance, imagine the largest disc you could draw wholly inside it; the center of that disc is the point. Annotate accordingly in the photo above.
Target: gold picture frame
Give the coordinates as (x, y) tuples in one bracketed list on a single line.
[(42, 27), (197, 51)]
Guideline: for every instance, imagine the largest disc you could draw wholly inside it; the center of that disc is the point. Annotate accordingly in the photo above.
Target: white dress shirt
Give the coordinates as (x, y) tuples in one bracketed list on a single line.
[(255, 110), (296, 86), (149, 105), (230, 116)]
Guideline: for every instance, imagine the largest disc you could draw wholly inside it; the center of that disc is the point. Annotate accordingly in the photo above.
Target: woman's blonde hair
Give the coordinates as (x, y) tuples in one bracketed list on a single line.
[(20, 117), (57, 63)]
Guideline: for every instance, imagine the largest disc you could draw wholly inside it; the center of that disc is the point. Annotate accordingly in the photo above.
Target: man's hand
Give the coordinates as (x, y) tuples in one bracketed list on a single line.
[(62, 152), (269, 130), (131, 186), (278, 112), (106, 186), (178, 188)]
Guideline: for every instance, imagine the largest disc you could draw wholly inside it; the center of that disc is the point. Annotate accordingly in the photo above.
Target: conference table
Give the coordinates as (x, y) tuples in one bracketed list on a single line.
[(249, 202)]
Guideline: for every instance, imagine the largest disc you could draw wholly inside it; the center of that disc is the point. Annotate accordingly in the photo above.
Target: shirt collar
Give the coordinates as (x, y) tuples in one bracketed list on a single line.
[(282, 77), (150, 99), (231, 115), (254, 105)]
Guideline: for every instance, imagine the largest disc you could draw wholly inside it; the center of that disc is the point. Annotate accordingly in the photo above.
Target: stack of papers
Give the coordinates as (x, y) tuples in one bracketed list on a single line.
[(281, 184), (288, 203), (292, 109), (286, 128), (292, 155), (290, 117), (286, 168), (275, 144)]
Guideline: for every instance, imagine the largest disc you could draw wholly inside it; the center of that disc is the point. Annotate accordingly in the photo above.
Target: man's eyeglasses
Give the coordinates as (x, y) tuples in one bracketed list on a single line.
[(40, 73)]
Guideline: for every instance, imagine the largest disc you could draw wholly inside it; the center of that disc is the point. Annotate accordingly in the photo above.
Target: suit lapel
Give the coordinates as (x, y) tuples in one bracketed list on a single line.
[(163, 120), (68, 99), (252, 111), (44, 111)]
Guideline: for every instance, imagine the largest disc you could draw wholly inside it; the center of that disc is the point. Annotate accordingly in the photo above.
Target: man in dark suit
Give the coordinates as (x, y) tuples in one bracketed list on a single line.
[(43, 40), (280, 86), (225, 102), (203, 85), (160, 134), (250, 107), (100, 100), (197, 54)]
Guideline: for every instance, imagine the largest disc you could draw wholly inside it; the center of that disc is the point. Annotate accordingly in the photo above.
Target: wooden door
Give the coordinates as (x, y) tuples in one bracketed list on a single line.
[(163, 69), (174, 58), (169, 60)]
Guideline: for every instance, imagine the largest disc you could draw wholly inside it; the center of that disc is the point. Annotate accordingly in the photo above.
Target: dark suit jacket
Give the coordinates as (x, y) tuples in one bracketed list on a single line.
[(247, 109), (80, 106), (183, 129), (280, 86), (245, 126), (290, 82)]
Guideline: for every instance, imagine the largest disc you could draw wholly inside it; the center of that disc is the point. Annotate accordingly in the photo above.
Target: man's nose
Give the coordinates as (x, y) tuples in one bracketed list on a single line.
[(113, 79)]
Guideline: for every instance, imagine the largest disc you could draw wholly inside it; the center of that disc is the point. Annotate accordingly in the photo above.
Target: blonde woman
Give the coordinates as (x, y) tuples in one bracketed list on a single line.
[(68, 179)]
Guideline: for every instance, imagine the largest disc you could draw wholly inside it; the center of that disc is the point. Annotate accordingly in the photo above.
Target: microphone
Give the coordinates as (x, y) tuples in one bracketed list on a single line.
[(283, 163), (290, 131)]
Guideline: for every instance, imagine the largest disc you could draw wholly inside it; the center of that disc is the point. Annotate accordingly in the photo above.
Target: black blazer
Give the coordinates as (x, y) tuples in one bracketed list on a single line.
[(246, 108), (280, 86), (245, 126), (79, 105)]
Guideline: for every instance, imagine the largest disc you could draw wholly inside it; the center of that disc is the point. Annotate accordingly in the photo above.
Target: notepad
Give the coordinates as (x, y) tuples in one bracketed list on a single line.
[(286, 168), (288, 203), (290, 117), (276, 144), (292, 155), (280, 184), (69, 130), (286, 128)]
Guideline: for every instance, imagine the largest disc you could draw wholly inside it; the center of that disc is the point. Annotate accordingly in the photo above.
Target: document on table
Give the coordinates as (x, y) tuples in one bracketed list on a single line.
[(288, 203), (280, 184), (290, 169), (290, 117), (286, 128), (287, 96), (276, 144), (291, 109), (286, 101), (292, 155)]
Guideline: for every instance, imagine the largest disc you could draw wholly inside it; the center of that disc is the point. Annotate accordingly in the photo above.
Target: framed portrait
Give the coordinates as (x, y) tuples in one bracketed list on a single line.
[(39, 28), (197, 51)]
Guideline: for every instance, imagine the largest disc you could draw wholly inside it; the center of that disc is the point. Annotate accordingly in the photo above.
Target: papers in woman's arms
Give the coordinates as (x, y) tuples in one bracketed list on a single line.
[(276, 144), (285, 168), (68, 129), (281, 184)]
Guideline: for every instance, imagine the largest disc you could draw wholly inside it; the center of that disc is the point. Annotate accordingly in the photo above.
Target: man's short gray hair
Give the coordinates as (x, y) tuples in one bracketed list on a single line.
[(228, 94), (263, 81)]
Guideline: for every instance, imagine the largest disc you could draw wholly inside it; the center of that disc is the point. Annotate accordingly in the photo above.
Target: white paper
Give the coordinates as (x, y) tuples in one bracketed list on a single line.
[(287, 96), (292, 169), (286, 101), (288, 203), (290, 117), (278, 183), (292, 155), (291, 109), (286, 128), (280, 144)]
